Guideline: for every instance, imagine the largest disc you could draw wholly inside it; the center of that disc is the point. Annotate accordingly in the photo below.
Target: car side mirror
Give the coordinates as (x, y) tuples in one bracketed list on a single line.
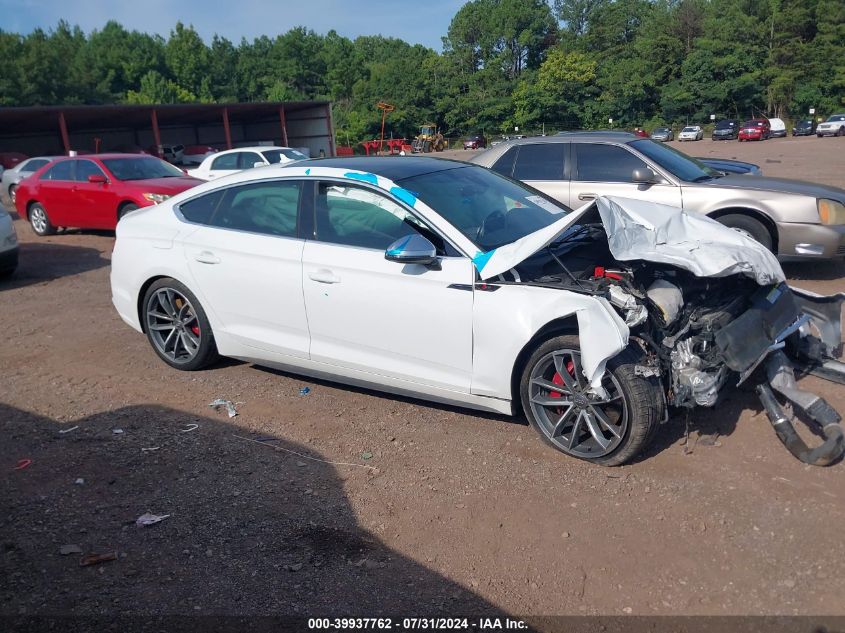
[(644, 175), (258, 164), (412, 249), (97, 179)]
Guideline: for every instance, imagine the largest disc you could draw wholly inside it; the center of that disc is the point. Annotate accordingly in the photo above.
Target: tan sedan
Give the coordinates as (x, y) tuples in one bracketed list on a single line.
[(794, 219)]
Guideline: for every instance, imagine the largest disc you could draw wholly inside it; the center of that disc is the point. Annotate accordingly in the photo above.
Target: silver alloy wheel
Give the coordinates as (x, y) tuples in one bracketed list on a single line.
[(173, 325), (567, 413), (13, 194), (38, 219)]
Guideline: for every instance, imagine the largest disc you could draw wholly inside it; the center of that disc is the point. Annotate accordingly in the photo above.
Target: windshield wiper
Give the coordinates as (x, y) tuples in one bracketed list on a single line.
[(702, 178)]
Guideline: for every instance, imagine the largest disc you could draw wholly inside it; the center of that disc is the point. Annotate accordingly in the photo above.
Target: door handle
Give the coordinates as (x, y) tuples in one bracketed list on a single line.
[(207, 257), (586, 196), (324, 276)]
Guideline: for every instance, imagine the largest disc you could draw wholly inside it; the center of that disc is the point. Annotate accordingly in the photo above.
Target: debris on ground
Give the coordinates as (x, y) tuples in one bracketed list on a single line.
[(149, 449), (220, 402), (66, 550), (194, 427), (294, 567), (95, 559), (73, 428), (79, 481), (304, 391), (22, 463), (366, 455), (150, 519), (117, 431)]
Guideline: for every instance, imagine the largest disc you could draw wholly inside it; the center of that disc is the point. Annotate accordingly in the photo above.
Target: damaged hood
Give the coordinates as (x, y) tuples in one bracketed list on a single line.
[(641, 230)]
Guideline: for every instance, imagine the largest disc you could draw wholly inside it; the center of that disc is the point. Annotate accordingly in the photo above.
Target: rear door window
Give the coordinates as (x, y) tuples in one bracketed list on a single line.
[(199, 210), (63, 170), (540, 161), (227, 161), (597, 162), (271, 208)]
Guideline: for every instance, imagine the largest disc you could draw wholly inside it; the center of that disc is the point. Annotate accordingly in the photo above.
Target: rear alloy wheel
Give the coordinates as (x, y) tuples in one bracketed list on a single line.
[(12, 195), (39, 220), (177, 327), (749, 227), (559, 404)]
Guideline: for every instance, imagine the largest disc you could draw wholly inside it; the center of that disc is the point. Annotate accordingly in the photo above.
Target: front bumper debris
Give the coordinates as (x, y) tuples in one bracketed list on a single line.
[(814, 346)]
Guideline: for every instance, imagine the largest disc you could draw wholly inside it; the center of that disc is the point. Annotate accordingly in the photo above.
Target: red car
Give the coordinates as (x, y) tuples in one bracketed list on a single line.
[(755, 130), (10, 159), (96, 191)]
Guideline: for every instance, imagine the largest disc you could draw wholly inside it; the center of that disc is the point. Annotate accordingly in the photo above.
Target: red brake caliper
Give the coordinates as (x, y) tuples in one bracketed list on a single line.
[(558, 379), (195, 329)]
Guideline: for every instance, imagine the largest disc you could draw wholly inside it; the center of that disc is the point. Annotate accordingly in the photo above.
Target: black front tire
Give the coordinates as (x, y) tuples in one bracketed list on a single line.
[(206, 351), (126, 208), (749, 226), (645, 407)]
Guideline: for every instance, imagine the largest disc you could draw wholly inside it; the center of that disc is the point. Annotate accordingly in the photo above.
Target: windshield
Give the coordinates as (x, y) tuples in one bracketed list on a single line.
[(489, 209), (723, 125), (836, 117), (804, 123), (753, 124), (690, 129), (274, 156), (142, 168), (676, 163)]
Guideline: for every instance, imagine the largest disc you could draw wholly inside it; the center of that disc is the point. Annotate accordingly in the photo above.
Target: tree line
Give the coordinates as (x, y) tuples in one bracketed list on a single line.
[(532, 64)]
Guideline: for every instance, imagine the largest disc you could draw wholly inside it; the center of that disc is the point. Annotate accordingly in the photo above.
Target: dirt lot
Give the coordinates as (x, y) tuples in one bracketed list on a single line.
[(454, 512)]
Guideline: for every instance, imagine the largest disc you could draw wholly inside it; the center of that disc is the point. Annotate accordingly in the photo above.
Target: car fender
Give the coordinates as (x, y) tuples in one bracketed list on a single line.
[(507, 319), (777, 206)]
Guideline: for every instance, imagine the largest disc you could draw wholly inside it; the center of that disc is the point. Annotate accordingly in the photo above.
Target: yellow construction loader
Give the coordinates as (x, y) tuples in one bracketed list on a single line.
[(429, 140)]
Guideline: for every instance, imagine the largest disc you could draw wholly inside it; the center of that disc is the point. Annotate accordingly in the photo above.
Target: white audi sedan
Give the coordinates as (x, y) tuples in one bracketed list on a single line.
[(446, 281)]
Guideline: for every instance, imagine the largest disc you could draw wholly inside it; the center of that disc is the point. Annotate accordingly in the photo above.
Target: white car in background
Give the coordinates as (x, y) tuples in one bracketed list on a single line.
[(691, 133), (835, 126), (11, 178), (234, 160), (777, 128), (446, 281)]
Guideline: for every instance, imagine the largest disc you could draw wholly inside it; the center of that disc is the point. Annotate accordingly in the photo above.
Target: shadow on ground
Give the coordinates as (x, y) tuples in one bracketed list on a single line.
[(252, 530), (41, 262)]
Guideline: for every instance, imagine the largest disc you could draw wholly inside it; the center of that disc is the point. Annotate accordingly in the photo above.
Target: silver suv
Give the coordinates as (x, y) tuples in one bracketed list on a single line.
[(796, 220)]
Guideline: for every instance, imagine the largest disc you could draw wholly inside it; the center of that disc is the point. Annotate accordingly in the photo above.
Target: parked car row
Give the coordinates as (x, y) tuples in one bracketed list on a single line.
[(755, 130)]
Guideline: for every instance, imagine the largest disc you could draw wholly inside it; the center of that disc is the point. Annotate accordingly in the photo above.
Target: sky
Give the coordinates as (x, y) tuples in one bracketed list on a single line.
[(415, 21)]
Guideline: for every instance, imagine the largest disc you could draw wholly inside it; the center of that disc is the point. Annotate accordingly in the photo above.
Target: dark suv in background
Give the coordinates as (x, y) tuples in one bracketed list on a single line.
[(726, 130), (805, 127)]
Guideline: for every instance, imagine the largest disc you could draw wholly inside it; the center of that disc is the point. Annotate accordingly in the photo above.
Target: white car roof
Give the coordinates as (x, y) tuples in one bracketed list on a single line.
[(252, 148)]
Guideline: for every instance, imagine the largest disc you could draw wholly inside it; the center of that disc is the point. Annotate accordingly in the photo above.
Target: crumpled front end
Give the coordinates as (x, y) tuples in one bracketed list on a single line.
[(709, 307)]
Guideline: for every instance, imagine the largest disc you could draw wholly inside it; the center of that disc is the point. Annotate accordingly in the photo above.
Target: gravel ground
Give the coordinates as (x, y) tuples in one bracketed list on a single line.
[(442, 511)]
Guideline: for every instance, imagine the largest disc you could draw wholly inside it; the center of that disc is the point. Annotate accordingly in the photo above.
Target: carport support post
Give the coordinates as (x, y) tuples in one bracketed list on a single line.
[(63, 130), (226, 128), (330, 124), (284, 126), (156, 134)]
